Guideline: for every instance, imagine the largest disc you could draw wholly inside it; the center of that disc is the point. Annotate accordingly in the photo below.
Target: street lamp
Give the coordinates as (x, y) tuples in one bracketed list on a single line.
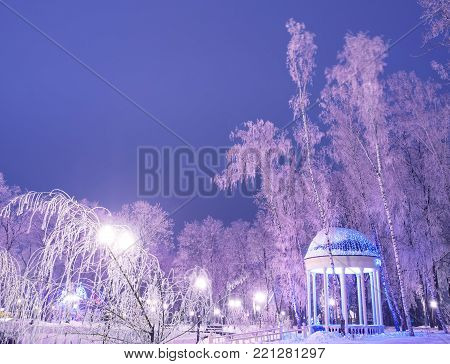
[(106, 235), (259, 297), (201, 283), (234, 303), (116, 239), (433, 306), (216, 313), (71, 299)]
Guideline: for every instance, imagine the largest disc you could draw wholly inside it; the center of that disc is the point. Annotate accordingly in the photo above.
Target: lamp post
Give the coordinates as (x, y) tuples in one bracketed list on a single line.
[(201, 293), (234, 304), (433, 306), (259, 299), (216, 313)]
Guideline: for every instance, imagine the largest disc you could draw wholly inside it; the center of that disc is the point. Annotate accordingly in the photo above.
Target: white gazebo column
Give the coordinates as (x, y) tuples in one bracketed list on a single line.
[(325, 296), (344, 299), (378, 295), (308, 305), (358, 288), (363, 298), (372, 297), (314, 297)]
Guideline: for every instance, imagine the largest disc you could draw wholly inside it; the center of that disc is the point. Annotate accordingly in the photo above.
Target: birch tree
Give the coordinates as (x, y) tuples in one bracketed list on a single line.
[(420, 139), (301, 52), (354, 84)]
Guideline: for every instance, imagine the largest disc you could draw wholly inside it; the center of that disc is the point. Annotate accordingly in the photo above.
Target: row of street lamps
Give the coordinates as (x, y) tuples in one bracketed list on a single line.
[(119, 239)]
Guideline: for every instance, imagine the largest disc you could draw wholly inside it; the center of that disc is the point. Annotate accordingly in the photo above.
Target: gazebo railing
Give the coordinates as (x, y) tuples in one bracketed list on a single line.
[(358, 329)]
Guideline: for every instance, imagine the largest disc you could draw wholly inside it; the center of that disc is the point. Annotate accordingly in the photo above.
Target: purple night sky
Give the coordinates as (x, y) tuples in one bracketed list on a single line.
[(201, 67)]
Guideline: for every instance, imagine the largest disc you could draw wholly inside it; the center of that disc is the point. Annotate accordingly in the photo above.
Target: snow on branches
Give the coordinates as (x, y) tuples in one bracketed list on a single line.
[(95, 274)]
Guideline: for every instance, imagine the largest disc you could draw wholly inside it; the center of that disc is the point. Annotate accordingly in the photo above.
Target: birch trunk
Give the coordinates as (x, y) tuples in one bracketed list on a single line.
[(423, 299), (393, 241), (317, 199), (384, 276)]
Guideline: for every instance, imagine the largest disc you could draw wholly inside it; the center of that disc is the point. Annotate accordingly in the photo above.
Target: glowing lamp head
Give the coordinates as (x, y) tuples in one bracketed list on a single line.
[(433, 304), (260, 297), (117, 239), (283, 313), (71, 300), (201, 283), (106, 235), (216, 312), (234, 303), (331, 302)]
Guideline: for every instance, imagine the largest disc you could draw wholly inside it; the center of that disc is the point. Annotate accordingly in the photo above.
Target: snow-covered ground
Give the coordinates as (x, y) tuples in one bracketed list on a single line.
[(423, 335), (75, 332), (390, 336)]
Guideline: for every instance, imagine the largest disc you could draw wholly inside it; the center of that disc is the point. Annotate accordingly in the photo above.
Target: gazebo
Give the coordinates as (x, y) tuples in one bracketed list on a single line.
[(352, 254)]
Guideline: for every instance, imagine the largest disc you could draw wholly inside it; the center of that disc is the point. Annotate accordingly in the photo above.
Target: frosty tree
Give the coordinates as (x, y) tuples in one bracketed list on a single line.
[(301, 64), (353, 85), (96, 272), (263, 151), (419, 141)]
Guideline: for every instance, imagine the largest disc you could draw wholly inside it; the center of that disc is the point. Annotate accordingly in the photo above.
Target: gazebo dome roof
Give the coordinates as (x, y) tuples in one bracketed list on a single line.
[(344, 242)]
